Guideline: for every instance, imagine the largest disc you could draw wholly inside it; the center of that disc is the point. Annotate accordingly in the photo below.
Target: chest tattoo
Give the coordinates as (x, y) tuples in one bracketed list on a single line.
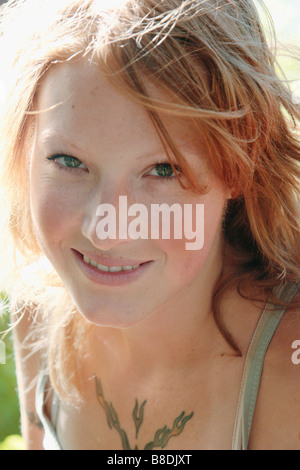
[(161, 436)]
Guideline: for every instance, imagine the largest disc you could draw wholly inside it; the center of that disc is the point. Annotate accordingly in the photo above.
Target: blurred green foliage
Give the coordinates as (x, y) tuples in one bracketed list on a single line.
[(14, 442), (9, 403)]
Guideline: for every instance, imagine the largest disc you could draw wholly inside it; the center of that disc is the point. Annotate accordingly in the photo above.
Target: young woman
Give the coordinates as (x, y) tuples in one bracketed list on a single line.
[(126, 339)]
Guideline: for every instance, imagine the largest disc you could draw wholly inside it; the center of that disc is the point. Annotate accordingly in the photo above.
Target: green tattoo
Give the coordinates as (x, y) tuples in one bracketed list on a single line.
[(33, 419), (162, 435), (138, 416)]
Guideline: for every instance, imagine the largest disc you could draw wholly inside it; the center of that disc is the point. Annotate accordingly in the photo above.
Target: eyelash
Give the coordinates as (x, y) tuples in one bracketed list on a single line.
[(60, 166), (170, 178)]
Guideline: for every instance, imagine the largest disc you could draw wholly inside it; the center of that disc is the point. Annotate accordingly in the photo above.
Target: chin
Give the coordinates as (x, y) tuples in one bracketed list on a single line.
[(112, 318)]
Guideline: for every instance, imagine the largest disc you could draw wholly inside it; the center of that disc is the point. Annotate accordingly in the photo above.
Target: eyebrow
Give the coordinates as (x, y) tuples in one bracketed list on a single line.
[(51, 136), (48, 136)]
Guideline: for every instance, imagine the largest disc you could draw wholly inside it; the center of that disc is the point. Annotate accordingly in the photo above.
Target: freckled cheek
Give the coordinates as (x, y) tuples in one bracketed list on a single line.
[(54, 213), (184, 262)]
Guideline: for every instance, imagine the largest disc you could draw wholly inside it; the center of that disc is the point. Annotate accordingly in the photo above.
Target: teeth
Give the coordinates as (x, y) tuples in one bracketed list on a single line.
[(112, 269), (101, 267)]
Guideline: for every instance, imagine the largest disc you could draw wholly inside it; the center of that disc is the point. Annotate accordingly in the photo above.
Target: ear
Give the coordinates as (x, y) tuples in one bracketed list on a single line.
[(233, 193)]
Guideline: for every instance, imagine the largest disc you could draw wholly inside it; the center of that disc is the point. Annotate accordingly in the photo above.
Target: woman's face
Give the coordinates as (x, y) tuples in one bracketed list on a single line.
[(92, 145)]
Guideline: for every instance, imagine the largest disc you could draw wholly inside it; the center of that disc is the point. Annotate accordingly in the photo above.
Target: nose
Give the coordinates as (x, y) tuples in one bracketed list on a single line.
[(104, 221)]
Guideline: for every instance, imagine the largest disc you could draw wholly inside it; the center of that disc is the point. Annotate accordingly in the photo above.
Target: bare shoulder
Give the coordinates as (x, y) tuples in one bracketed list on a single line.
[(28, 366), (276, 420)]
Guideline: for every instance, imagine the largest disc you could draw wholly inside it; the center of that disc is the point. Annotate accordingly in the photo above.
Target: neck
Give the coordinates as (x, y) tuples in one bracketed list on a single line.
[(182, 331)]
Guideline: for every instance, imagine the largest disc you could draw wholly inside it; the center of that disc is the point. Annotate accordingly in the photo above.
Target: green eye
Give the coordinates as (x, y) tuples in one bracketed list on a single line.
[(162, 170), (71, 162), (67, 161)]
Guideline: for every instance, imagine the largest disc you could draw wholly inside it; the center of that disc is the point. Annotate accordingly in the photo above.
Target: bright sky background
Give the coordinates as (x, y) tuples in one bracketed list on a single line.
[(286, 17)]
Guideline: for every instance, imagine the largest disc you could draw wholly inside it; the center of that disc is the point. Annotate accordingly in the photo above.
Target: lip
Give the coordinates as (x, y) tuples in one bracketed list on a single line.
[(111, 278)]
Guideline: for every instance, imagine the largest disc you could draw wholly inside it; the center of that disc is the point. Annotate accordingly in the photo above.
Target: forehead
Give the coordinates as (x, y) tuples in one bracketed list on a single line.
[(71, 87), (76, 99), (76, 102), (80, 89)]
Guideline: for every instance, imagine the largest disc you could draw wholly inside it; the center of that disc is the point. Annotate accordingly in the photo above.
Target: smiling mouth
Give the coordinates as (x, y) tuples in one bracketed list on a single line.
[(111, 269)]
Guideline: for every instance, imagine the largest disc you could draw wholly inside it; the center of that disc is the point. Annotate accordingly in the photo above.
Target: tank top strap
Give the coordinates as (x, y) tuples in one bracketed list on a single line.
[(50, 441), (263, 334)]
